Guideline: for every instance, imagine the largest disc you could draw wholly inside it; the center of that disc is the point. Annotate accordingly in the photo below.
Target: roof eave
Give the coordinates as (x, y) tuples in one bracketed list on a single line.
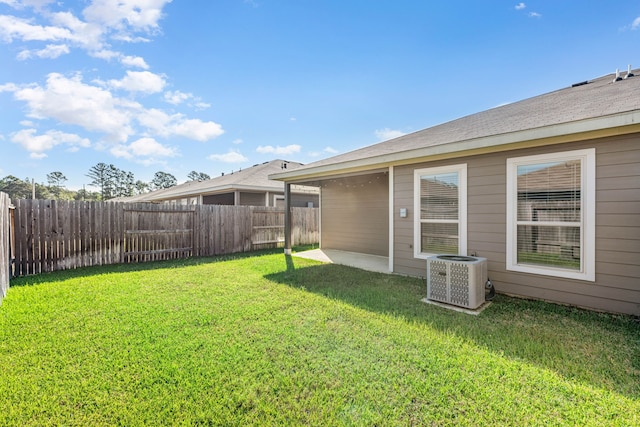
[(617, 124), (221, 189)]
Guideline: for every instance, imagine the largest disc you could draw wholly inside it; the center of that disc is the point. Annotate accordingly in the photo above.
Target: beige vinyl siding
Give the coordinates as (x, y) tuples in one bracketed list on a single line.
[(617, 285), (355, 214)]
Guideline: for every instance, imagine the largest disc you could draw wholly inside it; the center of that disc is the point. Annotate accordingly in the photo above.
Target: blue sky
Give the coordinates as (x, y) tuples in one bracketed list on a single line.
[(218, 85)]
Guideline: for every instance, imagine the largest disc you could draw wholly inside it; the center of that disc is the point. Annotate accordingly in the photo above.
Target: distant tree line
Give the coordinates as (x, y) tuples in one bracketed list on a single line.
[(110, 181)]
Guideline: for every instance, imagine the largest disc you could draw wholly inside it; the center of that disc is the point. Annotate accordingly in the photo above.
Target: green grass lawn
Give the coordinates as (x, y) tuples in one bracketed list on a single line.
[(270, 340)]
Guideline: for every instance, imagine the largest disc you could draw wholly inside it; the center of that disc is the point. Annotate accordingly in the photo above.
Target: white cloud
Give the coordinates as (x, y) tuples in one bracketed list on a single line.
[(330, 150), (85, 34), (139, 81), (177, 97), (522, 6), (38, 144), (163, 124), (196, 129), (269, 149), (238, 141), (134, 61), (32, 3), (104, 20), (50, 51), (230, 157), (636, 23), (12, 28), (106, 54), (71, 101), (129, 39), (202, 105), (127, 61), (143, 147), (151, 147), (8, 87), (386, 133), (97, 106), (119, 14), (155, 120)]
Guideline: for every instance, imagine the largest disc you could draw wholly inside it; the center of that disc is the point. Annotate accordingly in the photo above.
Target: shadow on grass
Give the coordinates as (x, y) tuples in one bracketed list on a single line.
[(601, 350)]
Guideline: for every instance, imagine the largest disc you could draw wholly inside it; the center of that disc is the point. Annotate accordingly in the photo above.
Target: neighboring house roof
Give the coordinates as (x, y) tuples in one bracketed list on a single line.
[(599, 107), (255, 178)]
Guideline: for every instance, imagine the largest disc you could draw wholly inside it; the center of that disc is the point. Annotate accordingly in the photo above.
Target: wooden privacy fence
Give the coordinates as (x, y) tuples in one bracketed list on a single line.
[(6, 213), (55, 235)]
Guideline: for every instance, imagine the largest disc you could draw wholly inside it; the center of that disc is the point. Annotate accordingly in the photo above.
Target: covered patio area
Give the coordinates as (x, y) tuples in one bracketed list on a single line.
[(376, 263)]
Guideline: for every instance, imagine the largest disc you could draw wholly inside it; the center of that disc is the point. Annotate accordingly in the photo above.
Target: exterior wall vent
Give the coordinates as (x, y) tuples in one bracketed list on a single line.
[(618, 78), (629, 73)]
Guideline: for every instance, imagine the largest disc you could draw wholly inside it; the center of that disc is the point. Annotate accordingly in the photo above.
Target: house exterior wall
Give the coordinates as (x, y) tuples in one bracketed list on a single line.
[(617, 284), (355, 214), (252, 199), (299, 200), (218, 199)]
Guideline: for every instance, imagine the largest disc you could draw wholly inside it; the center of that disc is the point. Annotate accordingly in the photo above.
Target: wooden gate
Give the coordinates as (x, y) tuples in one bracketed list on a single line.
[(267, 227), (153, 232)]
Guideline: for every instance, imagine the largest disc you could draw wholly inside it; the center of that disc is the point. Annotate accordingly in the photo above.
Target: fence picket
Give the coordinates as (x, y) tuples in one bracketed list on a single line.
[(59, 235)]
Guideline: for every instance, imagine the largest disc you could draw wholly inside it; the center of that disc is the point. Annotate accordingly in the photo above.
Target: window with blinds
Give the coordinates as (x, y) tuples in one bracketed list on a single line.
[(440, 206), (549, 199)]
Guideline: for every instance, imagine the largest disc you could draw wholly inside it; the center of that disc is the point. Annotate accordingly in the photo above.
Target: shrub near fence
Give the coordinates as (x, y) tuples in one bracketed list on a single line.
[(57, 235), (5, 244)]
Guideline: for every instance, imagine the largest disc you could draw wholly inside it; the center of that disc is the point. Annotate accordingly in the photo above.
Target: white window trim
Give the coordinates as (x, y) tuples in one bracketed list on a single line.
[(461, 169), (587, 213)]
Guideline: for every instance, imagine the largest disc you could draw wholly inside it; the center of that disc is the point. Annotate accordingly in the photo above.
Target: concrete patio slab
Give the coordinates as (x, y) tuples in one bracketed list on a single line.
[(379, 264)]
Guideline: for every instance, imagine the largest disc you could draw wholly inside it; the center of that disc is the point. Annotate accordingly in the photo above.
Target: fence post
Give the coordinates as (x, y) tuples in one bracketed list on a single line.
[(5, 244), (287, 218)]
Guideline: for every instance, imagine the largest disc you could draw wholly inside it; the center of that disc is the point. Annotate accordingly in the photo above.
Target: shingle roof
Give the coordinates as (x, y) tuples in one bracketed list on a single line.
[(253, 178), (598, 98)]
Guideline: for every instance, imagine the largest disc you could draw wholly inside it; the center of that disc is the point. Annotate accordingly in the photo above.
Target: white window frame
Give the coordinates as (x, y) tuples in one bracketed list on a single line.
[(461, 170), (587, 214)]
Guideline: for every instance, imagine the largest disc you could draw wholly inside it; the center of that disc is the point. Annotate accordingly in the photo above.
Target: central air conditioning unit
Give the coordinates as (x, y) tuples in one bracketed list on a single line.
[(457, 280)]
